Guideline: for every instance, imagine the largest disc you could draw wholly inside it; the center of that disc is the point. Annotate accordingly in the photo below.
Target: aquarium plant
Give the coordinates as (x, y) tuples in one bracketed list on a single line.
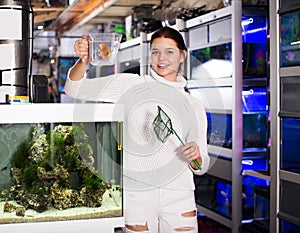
[(55, 168)]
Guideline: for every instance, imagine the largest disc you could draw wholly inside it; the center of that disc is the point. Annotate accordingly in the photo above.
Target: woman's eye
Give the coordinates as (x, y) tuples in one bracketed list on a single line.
[(155, 52), (170, 52)]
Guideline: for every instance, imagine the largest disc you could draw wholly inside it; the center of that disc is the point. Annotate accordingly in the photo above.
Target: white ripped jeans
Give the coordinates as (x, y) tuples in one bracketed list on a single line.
[(161, 210)]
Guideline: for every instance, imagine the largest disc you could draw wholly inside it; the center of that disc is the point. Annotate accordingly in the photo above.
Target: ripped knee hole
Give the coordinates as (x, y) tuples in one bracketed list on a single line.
[(189, 214), (137, 227)]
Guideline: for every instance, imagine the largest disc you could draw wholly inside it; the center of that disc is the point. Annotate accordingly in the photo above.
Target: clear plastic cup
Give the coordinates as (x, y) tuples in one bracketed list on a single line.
[(103, 48)]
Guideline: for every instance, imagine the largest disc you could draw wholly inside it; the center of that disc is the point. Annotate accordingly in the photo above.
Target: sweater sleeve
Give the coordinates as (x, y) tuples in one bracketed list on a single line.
[(201, 137), (106, 89)]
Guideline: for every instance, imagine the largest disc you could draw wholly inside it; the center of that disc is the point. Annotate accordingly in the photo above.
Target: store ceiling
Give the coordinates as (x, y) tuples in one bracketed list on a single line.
[(60, 18)]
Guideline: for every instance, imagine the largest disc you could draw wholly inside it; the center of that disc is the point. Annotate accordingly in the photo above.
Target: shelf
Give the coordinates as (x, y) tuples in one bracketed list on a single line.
[(215, 216), (258, 174), (130, 43), (289, 71), (210, 83), (218, 14), (288, 114), (289, 176)]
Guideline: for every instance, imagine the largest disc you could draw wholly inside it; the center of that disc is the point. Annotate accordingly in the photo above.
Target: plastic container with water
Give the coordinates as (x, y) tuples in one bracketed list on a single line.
[(103, 48)]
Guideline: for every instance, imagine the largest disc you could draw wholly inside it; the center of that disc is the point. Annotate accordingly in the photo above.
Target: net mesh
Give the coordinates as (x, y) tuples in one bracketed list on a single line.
[(162, 125)]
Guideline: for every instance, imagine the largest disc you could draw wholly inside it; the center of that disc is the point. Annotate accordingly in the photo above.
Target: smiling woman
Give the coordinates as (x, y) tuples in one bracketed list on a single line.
[(157, 176)]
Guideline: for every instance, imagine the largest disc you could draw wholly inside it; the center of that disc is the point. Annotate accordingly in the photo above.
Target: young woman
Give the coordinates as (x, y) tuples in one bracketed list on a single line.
[(158, 174)]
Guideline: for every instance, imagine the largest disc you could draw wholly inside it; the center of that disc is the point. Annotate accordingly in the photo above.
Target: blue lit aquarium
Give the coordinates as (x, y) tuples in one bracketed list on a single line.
[(254, 101), (60, 163), (254, 38), (290, 144), (216, 195), (204, 60), (287, 227), (290, 39)]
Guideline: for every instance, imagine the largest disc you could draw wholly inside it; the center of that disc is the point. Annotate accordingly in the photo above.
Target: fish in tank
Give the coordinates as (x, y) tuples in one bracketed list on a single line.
[(60, 171)]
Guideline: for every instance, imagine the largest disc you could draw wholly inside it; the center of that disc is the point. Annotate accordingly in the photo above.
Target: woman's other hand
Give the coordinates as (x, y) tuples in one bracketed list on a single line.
[(81, 48), (191, 152)]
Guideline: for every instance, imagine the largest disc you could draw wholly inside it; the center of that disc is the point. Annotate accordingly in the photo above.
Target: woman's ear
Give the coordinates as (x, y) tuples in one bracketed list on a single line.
[(183, 55)]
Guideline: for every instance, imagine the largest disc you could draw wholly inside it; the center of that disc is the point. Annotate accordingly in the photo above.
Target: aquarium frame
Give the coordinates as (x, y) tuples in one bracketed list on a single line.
[(40, 113)]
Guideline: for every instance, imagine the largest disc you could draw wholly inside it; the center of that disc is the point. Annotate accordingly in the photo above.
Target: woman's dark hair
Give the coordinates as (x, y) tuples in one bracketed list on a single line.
[(170, 33)]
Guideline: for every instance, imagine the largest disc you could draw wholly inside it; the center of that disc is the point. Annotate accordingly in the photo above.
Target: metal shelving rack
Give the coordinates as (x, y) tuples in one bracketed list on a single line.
[(274, 106), (223, 26), (286, 198)]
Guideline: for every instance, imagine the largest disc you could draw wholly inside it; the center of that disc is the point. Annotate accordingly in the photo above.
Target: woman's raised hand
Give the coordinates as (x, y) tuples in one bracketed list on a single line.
[(81, 48)]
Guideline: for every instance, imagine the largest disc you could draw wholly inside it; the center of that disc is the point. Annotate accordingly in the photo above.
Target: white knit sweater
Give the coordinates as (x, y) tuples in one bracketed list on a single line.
[(149, 162)]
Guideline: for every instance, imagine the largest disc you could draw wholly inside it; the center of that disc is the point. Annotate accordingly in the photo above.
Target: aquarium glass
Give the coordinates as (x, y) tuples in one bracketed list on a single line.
[(219, 131), (254, 28), (60, 171), (290, 39), (262, 203), (64, 64), (203, 62), (290, 144), (254, 38), (132, 66), (254, 59), (288, 227), (216, 194)]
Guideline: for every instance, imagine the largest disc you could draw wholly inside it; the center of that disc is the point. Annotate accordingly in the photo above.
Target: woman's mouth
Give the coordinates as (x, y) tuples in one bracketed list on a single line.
[(162, 65)]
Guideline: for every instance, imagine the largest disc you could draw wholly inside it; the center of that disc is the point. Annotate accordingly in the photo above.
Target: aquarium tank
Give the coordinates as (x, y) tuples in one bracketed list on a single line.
[(60, 171), (216, 195), (290, 39), (289, 227), (254, 100), (254, 38), (290, 143), (204, 60)]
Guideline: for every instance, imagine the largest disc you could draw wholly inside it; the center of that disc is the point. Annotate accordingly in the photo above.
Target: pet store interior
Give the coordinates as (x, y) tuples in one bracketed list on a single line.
[(251, 103)]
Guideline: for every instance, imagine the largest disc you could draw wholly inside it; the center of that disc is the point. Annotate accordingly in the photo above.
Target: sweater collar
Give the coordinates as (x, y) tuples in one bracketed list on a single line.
[(180, 83)]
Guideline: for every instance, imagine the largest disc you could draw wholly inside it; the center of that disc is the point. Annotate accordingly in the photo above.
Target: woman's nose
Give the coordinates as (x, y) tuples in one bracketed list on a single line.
[(161, 57)]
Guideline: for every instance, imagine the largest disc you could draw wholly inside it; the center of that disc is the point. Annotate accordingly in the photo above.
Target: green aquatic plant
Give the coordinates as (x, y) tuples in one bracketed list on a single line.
[(30, 176), (20, 157), (49, 164), (93, 181)]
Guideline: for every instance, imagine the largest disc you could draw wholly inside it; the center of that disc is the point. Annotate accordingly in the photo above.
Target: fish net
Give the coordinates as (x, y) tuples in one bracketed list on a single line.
[(162, 126)]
